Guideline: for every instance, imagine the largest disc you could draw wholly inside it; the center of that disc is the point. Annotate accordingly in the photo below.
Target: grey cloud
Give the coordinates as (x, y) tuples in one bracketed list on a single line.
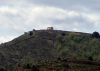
[(76, 5), (69, 15), (93, 4)]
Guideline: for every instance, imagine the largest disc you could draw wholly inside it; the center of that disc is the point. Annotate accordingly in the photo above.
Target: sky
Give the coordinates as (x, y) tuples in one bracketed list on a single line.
[(19, 16)]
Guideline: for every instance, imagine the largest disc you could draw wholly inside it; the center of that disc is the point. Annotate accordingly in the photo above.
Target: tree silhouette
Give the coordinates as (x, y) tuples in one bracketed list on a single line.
[(34, 68), (90, 58), (30, 33), (95, 34), (1, 69), (28, 66)]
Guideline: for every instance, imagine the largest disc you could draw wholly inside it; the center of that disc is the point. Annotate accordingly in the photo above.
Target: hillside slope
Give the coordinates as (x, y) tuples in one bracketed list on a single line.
[(39, 46)]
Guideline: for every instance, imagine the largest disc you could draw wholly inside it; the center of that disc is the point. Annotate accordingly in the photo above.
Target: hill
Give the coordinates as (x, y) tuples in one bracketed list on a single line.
[(40, 46)]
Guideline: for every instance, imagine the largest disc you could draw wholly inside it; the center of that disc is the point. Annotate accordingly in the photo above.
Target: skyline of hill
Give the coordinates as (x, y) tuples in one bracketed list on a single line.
[(40, 46)]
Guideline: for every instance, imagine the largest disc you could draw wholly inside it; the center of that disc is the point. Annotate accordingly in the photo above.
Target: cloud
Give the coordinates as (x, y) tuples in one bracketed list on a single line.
[(6, 38), (6, 9), (20, 16)]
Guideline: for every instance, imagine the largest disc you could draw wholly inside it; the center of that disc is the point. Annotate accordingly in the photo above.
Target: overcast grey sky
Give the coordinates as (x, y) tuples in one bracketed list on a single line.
[(19, 16)]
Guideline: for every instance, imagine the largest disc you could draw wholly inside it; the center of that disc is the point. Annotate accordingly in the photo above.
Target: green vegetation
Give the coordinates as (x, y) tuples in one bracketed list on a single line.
[(78, 46), (41, 47)]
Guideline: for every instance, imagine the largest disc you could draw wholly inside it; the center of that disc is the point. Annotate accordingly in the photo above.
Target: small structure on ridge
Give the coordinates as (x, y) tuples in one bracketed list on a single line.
[(50, 28)]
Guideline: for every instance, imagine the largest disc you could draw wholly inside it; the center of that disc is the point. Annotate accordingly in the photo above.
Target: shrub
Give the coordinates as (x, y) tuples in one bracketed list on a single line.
[(95, 34), (30, 33), (28, 66), (34, 68), (90, 58), (1, 69), (63, 34)]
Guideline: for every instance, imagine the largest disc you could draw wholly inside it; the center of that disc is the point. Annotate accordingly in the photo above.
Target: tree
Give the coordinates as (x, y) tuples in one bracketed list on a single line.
[(28, 66), (95, 34), (63, 34), (30, 33), (1, 69), (90, 58), (35, 68)]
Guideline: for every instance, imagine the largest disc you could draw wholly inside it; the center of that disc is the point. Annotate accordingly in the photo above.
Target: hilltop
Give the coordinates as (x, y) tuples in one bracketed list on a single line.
[(38, 46)]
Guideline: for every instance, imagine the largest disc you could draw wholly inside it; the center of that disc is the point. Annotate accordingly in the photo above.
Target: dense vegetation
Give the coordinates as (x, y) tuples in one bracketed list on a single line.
[(79, 46), (43, 46)]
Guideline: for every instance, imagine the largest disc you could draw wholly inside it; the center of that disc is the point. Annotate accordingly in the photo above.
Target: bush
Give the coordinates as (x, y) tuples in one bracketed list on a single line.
[(95, 34), (90, 58), (1, 69), (34, 68), (63, 34), (30, 33), (28, 66)]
